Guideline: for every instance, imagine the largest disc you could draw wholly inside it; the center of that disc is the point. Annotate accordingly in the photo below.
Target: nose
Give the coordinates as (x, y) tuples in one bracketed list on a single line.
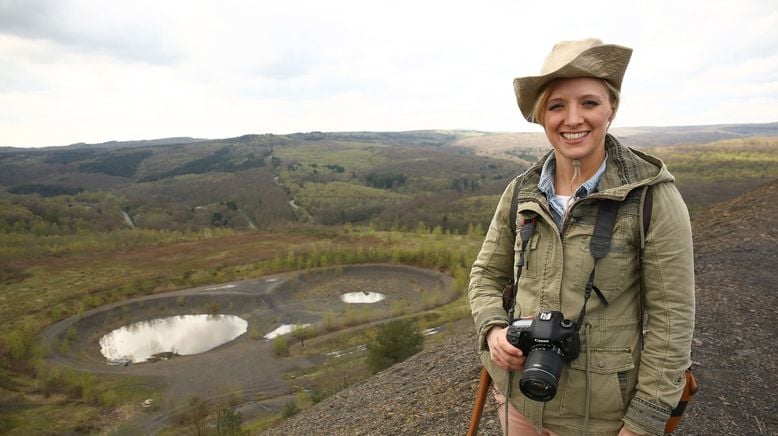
[(573, 116)]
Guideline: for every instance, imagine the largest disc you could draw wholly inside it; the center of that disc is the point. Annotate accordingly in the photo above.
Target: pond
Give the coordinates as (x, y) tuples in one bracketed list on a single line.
[(177, 335), (285, 329), (362, 297)]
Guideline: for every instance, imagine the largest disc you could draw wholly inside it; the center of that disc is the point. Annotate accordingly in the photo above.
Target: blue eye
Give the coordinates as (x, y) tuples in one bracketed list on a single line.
[(591, 103)]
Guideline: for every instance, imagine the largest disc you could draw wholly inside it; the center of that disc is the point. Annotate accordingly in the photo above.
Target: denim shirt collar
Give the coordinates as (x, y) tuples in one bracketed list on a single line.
[(546, 185)]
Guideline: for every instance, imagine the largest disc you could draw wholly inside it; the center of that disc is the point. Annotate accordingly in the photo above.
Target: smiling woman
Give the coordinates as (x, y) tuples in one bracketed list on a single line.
[(638, 379), (576, 116)]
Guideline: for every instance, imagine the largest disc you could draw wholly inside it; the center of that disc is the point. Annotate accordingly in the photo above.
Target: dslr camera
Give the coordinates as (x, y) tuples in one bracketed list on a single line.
[(547, 342)]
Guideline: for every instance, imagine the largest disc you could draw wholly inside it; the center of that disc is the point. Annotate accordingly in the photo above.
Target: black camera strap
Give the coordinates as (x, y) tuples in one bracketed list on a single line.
[(525, 233), (527, 229), (599, 246)]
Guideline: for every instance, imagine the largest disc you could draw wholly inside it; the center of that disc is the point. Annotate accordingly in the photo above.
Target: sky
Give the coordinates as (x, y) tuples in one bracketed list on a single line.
[(94, 71)]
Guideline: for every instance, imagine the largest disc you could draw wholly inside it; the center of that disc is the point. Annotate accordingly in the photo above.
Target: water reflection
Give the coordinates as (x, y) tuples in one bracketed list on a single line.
[(362, 297), (183, 335), (284, 329)]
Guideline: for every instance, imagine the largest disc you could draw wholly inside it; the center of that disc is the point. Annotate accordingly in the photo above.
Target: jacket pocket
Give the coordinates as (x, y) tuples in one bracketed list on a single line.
[(608, 374)]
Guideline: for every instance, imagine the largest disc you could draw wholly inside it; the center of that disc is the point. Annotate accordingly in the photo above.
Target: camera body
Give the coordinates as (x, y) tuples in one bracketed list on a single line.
[(547, 342)]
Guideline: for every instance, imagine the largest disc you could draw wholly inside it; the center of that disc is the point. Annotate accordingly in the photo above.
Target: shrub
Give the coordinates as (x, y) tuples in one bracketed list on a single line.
[(291, 408), (317, 394), (18, 349), (330, 321), (228, 422), (301, 332), (194, 415), (394, 342), (281, 345)]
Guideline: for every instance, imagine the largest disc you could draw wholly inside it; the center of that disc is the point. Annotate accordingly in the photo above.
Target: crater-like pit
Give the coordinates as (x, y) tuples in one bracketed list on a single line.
[(176, 335)]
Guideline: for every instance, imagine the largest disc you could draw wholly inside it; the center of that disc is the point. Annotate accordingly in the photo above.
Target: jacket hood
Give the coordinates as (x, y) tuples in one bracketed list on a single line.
[(628, 169)]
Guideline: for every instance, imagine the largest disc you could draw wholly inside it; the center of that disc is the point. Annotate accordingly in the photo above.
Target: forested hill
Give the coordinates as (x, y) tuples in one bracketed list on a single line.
[(252, 181), (377, 178)]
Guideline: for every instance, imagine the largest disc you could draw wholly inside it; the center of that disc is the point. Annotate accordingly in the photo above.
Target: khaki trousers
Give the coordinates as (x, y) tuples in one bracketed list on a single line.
[(518, 424)]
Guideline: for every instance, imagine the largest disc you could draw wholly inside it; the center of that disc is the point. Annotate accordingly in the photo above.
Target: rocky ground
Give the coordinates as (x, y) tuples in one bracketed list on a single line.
[(737, 275)]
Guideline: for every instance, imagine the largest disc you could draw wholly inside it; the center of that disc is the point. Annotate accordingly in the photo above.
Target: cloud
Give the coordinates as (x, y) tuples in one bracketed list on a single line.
[(93, 70), (119, 29)]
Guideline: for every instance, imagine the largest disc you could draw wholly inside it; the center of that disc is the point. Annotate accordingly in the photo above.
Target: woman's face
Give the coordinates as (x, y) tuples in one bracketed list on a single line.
[(576, 118)]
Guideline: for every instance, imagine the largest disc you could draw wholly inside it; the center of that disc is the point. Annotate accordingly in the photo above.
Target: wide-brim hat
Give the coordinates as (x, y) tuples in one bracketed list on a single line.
[(582, 58)]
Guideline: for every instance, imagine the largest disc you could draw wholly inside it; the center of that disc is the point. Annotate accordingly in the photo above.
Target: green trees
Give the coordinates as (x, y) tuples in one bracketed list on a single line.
[(114, 164), (18, 348), (394, 342)]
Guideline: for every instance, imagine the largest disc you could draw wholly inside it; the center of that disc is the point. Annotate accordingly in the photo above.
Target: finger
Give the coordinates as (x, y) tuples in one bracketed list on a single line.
[(509, 349)]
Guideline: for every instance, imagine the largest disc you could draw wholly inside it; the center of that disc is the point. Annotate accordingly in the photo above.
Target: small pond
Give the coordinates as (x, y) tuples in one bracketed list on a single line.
[(362, 297), (284, 329), (181, 335)]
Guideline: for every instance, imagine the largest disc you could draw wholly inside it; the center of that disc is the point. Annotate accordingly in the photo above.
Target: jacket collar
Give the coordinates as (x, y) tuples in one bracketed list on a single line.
[(626, 169)]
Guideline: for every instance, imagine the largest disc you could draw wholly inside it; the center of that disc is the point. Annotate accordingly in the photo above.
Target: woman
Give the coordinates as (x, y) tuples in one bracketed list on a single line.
[(622, 382)]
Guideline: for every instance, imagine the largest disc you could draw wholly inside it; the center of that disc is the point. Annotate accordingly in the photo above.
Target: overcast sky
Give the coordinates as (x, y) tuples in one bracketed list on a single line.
[(93, 71)]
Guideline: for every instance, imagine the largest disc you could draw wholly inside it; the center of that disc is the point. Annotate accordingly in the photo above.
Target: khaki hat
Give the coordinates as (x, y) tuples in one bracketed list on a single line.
[(584, 58)]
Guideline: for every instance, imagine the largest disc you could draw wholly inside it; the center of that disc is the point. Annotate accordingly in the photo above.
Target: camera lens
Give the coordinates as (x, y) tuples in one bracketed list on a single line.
[(540, 378)]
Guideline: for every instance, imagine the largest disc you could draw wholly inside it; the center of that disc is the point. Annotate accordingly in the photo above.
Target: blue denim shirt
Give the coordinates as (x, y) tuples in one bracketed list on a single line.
[(557, 204)]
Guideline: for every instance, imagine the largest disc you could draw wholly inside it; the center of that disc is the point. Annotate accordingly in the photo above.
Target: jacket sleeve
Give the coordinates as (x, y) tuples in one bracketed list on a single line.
[(667, 272), (492, 270)]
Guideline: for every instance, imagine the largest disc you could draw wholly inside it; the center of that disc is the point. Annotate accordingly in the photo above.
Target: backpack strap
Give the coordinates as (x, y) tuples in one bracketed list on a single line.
[(514, 210), (647, 206), (647, 202), (599, 246), (527, 229)]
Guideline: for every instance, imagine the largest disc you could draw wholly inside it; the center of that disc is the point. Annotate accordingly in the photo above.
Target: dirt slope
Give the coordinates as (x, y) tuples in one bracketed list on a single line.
[(737, 276)]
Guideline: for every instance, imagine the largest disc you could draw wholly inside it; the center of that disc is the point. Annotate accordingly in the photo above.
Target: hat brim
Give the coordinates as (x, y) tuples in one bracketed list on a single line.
[(608, 62)]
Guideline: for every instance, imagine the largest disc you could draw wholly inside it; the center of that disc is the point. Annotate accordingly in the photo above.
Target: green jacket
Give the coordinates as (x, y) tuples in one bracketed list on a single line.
[(628, 385)]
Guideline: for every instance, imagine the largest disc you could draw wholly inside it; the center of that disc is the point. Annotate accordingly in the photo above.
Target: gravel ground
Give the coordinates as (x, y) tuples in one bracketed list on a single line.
[(737, 275)]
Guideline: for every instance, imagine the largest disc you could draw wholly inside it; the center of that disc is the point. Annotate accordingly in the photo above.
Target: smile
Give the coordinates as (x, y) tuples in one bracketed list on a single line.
[(574, 135)]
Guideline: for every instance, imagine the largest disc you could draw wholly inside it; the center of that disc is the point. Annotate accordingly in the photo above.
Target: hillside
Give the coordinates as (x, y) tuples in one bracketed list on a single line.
[(432, 393), (254, 181), (527, 147), (259, 182)]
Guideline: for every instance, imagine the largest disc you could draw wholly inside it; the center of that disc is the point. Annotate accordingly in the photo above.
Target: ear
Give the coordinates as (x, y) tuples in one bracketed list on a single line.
[(614, 107)]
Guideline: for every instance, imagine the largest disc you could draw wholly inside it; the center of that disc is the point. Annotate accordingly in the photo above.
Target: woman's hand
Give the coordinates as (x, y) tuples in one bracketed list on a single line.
[(505, 355)]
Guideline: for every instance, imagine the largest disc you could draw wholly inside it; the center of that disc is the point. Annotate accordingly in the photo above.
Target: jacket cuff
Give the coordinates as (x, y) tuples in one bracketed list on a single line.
[(488, 320), (646, 417)]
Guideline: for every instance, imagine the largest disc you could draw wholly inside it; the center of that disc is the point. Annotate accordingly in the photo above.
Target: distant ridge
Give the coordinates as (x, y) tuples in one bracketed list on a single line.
[(140, 143), (644, 136), (674, 135)]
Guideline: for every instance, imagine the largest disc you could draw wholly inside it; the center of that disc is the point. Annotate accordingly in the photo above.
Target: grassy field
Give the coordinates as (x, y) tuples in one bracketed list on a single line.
[(722, 170)]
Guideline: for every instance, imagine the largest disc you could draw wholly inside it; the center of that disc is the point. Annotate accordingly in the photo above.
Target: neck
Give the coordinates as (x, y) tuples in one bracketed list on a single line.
[(566, 181)]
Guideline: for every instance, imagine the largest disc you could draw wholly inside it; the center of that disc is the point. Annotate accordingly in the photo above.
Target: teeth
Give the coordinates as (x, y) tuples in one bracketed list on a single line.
[(577, 135)]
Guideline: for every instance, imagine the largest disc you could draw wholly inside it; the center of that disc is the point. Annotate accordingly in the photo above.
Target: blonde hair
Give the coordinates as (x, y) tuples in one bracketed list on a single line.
[(545, 92)]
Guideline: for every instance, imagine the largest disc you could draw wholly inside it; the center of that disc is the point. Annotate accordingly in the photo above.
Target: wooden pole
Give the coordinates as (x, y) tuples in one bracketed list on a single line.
[(480, 401)]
